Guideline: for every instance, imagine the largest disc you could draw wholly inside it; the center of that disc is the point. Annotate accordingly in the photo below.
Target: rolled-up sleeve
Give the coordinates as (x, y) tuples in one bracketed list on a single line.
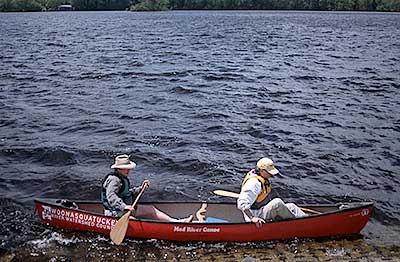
[(113, 185), (248, 194)]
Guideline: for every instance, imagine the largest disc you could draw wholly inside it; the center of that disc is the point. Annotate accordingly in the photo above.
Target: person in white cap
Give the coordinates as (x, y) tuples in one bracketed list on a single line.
[(117, 194), (253, 200)]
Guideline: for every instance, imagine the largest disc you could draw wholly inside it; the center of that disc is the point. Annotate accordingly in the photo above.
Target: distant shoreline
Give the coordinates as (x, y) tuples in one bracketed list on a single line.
[(171, 10), (207, 5)]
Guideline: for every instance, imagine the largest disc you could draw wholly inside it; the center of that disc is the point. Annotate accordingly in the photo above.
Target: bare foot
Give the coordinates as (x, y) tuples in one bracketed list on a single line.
[(187, 219)]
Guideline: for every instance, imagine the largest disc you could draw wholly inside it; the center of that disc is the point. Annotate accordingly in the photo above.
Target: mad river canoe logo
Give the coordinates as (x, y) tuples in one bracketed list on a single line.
[(71, 216), (201, 218), (186, 229), (365, 212)]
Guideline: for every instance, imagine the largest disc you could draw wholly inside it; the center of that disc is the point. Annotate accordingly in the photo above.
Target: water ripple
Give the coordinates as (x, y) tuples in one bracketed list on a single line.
[(196, 98)]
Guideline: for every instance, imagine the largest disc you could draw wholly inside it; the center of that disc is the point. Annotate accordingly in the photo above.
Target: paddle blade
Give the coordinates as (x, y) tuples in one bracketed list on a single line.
[(118, 231), (226, 193), (310, 210)]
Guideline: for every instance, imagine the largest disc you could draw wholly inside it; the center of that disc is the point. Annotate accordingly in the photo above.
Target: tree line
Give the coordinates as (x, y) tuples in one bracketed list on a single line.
[(323, 5), (157, 5), (50, 5)]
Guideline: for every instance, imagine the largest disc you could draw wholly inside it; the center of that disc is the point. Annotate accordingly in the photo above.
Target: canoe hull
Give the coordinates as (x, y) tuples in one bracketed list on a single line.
[(342, 222)]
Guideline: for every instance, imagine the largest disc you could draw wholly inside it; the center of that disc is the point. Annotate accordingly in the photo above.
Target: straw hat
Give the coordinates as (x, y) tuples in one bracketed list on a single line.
[(123, 162), (267, 164)]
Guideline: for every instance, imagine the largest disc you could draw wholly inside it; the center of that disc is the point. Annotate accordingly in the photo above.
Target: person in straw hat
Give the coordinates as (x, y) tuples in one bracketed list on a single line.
[(117, 194), (253, 199)]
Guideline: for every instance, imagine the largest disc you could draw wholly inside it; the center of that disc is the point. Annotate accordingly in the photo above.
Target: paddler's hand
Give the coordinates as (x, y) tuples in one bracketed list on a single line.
[(146, 184), (258, 221)]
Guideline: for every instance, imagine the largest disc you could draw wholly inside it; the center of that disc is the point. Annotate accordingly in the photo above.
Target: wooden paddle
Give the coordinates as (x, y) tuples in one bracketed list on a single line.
[(226, 193), (236, 195), (118, 231)]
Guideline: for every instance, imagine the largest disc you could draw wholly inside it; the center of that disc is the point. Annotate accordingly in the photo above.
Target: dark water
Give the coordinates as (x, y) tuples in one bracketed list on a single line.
[(197, 98)]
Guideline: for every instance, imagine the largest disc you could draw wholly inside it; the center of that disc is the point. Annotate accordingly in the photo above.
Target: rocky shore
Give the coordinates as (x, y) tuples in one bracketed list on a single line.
[(65, 246)]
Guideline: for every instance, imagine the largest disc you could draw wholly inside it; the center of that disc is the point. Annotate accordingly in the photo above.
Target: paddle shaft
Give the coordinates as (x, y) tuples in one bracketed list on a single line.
[(137, 198), (236, 195), (118, 231), (139, 195)]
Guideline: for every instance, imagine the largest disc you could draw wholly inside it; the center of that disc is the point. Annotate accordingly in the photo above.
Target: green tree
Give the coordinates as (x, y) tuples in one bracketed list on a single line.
[(28, 5), (388, 5), (151, 5), (7, 5)]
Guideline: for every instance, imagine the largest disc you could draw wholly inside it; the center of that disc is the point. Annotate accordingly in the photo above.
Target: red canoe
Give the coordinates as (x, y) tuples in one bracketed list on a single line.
[(213, 221)]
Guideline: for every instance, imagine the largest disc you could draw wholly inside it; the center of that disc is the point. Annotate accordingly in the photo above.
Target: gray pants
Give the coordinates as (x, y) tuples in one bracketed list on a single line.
[(277, 209)]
